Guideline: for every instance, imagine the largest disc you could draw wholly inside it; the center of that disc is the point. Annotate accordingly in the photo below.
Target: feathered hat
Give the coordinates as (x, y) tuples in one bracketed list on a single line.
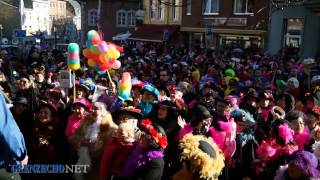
[(204, 156)]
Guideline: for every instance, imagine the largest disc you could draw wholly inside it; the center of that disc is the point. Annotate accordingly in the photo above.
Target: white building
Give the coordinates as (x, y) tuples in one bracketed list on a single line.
[(37, 18)]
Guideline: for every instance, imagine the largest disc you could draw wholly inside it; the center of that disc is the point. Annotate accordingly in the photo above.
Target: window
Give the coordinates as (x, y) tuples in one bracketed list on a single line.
[(92, 17), (243, 6), (175, 10), (131, 16), (210, 7), (121, 18), (293, 32), (188, 7), (161, 11), (153, 10)]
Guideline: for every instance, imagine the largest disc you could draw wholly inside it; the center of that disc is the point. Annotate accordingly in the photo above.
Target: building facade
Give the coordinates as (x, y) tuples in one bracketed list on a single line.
[(223, 23), (116, 17), (295, 25)]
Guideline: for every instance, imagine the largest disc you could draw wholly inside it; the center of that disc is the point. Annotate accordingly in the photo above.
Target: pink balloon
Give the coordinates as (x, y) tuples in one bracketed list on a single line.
[(74, 55), (126, 77), (116, 65)]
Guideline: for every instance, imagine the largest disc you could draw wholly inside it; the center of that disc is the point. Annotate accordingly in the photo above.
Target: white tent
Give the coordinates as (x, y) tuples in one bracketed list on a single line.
[(121, 37)]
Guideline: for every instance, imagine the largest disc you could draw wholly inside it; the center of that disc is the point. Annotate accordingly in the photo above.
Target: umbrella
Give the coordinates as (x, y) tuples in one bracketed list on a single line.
[(238, 50)]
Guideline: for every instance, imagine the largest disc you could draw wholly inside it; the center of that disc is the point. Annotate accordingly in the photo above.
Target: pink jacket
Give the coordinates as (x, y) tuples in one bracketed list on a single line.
[(73, 124)]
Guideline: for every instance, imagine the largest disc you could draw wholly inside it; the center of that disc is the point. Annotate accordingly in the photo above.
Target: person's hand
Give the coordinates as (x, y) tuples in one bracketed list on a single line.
[(181, 122), (24, 162)]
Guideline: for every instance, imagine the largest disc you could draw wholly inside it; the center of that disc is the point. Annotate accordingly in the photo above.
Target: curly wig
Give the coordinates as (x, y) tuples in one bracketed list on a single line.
[(204, 156)]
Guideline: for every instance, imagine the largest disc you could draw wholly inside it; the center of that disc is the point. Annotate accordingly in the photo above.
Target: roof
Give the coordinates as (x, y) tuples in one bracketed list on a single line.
[(152, 33)]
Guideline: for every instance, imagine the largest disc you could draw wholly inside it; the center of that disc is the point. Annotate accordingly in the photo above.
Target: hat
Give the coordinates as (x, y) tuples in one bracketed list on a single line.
[(266, 95), (308, 61), (223, 100), (243, 117), (157, 133), (230, 72), (306, 162), (21, 100), (165, 89), (204, 156), (201, 112), (130, 111), (152, 90), (84, 102), (251, 93), (295, 81), (168, 104), (315, 79), (49, 105)]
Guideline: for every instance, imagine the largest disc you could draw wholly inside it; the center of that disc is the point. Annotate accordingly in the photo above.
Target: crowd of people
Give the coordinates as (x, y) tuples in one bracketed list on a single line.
[(192, 114)]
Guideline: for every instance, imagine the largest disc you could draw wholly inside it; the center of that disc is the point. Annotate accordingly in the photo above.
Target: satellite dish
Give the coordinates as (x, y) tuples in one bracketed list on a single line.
[(15, 41), (5, 41)]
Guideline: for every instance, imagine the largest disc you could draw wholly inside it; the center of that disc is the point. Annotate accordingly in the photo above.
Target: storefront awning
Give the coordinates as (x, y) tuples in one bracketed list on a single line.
[(152, 33), (223, 31)]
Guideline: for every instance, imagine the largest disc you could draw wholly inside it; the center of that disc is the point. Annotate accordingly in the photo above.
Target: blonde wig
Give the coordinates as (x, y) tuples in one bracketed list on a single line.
[(206, 166)]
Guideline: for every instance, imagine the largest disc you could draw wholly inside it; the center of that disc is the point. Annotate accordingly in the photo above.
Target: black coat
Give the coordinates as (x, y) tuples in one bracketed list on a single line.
[(153, 170)]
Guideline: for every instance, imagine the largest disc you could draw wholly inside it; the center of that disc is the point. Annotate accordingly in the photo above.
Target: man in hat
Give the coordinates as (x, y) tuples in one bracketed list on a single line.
[(149, 99), (22, 115)]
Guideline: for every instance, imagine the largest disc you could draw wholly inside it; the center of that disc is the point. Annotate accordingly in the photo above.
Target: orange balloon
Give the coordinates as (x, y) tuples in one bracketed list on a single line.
[(86, 52)]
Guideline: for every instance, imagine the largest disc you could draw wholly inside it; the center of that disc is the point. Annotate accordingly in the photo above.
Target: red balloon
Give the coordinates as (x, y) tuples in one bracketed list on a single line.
[(118, 48), (96, 40), (87, 53)]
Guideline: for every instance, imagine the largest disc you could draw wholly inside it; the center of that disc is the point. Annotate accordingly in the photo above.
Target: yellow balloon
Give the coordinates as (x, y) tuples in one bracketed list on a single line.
[(74, 66), (91, 63), (125, 86), (113, 54)]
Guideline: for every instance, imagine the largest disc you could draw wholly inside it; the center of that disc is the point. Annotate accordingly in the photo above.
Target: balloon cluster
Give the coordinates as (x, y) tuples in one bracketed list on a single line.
[(73, 56), (125, 86), (101, 55)]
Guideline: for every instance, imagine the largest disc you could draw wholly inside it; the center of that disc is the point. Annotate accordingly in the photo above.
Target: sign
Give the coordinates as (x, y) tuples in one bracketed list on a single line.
[(20, 33), (165, 35), (65, 79)]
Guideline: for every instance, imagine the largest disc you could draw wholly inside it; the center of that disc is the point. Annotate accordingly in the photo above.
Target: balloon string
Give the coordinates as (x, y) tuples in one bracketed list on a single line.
[(111, 82), (74, 86)]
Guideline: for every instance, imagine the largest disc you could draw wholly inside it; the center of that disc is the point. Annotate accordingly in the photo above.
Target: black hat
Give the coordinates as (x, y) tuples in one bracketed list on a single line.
[(198, 114), (223, 100), (164, 88), (21, 100), (168, 104), (251, 93), (130, 111)]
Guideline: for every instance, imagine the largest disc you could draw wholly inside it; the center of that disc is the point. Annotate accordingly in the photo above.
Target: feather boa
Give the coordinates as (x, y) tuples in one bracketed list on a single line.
[(286, 133), (302, 139), (139, 158), (187, 129)]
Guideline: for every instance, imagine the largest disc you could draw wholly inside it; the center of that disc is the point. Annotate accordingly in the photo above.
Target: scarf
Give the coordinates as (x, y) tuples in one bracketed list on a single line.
[(138, 159)]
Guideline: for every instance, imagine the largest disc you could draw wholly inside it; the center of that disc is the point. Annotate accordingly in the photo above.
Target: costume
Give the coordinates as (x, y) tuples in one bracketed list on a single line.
[(202, 157)]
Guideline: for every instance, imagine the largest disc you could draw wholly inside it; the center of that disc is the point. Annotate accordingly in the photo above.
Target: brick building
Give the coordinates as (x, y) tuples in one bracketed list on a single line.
[(117, 17), (220, 23)]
